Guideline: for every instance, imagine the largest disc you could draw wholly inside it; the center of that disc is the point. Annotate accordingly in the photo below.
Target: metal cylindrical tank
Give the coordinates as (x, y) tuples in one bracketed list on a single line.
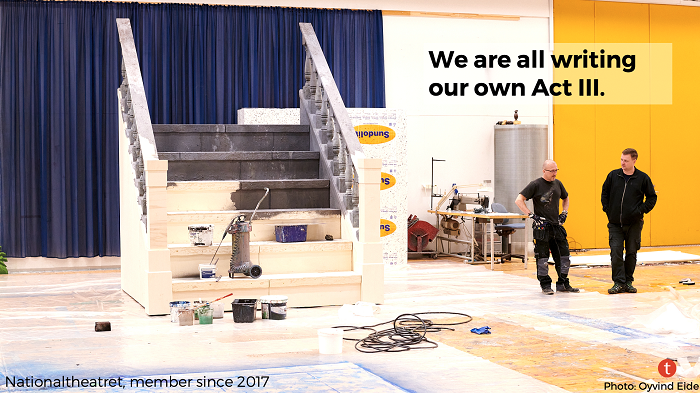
[(520, 150)]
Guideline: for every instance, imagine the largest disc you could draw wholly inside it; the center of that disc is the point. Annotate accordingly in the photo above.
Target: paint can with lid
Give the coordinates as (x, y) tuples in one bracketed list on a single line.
[(207, 271), (174, 307), (273, 307), (201, 235)]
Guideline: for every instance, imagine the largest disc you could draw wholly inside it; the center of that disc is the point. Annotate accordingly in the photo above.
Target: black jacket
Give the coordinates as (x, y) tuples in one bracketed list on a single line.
[(623, 201)]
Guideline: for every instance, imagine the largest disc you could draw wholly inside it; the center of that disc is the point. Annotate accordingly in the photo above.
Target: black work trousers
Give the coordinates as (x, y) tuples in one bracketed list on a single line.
[(551, 238), (629, 239)]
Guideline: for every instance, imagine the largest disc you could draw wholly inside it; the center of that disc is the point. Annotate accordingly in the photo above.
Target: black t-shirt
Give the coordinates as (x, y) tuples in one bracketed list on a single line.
[(545, 197)]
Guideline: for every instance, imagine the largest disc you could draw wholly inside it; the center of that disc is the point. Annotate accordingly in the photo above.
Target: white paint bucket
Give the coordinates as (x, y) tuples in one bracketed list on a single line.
[(207, 271), (218, 310), (330, 341), (201, 235)]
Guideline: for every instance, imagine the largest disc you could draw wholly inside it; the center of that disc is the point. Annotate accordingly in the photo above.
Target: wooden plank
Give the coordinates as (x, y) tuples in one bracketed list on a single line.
[(314, 279), (195, 284), (458, 15)]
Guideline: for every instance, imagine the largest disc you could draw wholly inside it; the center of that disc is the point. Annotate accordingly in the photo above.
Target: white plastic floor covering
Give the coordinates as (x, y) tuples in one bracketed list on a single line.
[(47, 331), (642, 257)]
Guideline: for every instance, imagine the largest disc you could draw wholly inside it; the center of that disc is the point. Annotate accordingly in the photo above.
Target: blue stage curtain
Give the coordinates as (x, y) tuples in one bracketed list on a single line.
[(59, 71)]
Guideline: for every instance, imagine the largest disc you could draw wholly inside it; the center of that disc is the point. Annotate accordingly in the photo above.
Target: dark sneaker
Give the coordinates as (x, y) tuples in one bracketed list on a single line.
[(566, 288), (630, 288), (617, 288), (547, 291)]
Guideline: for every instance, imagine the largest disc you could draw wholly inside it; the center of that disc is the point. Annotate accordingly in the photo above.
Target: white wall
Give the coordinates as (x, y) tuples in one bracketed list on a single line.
[(457, 129)]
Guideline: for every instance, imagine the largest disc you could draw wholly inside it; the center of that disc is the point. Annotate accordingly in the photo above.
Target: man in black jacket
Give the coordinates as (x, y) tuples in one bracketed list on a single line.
[(623, 199)]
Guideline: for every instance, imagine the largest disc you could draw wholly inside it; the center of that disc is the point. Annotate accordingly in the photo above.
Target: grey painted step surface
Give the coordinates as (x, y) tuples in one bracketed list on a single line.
[(245, 194), (230, 137), (284, 194), (241, 165)]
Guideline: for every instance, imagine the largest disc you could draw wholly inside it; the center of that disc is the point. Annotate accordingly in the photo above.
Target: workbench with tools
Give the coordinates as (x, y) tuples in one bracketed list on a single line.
[(479, 214), (490, 219)]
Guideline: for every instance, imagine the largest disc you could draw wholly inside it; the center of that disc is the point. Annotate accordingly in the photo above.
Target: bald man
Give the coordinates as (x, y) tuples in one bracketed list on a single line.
[(547, 226)]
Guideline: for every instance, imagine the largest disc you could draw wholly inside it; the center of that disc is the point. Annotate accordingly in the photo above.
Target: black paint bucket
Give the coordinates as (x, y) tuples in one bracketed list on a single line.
[(274, 307), (244, 310)]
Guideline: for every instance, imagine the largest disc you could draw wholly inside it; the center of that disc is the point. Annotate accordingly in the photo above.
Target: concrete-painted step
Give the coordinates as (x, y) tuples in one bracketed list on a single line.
[(321, 222), (241, 165), (245, 194), (303, 289), (230, 137), (275, 258)]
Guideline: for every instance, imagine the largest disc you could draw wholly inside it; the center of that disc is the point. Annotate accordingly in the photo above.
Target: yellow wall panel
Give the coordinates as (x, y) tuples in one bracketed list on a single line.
[(574, 147), (617, 128), (588, 140), (620, 126), (573, 21), (574, 130), (675, 132), (621, 22)]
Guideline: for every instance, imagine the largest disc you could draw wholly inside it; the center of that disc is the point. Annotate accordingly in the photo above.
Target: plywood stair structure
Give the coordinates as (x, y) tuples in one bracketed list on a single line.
[(209, 174), (217, 172)]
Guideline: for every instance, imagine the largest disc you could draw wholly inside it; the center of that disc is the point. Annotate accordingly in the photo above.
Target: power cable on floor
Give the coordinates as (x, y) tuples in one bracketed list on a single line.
[(408, 332), (573, 247)]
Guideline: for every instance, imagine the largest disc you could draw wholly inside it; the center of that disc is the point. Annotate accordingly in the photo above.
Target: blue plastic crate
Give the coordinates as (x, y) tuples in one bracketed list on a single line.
[(290, 233)]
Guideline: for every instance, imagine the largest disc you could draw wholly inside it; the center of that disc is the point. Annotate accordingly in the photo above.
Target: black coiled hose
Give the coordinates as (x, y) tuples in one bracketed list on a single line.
[(408, 332)]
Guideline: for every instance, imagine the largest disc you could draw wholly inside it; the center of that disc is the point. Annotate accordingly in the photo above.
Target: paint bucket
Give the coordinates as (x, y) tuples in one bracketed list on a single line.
[(206, 315), (218, 310), (175, 306), (330, 341), (244, 310), (201, 235), (197, 304), (274, 307), (207, 271), (185, 317)]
